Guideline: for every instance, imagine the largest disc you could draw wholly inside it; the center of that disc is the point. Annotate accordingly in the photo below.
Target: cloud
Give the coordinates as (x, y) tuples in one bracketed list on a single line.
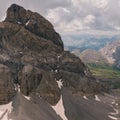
[(86, 15), (74, 15), (100, 3), (89, 19), (55, 15)]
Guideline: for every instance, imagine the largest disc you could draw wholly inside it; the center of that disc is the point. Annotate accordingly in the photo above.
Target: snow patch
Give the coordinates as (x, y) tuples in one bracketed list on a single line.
[(17, 87), (116, 104), (27, 22), (27, 97), (85, 72), (113, 102), (59, 56), (5, 110), (114, 118), (115, 113), (19, 22), (85, 97), (97, 98), (56, 71), (59, 109), (20, 52), (6, 107), (60, 83), (5, 117)]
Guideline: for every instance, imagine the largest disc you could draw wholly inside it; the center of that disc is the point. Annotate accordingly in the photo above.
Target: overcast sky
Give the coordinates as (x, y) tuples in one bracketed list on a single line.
[(74, 16)]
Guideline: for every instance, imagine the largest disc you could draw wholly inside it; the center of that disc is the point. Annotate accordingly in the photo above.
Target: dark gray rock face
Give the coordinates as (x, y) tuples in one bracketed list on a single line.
[(29, 79), (48, 88), (35, 109), (6, 84), (34, 23), (78, 108), (32, 55)]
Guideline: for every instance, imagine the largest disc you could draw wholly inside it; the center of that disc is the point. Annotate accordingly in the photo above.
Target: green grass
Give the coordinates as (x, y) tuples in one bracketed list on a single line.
[(105, 71)]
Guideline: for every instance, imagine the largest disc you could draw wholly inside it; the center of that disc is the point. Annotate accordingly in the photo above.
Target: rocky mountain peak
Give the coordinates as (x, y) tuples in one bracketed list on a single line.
[(32, 56), (33, 22)]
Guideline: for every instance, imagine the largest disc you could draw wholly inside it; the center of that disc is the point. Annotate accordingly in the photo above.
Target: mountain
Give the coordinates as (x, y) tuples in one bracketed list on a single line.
[(103, 63), (92, 56), (98, 64), (39, 80), (112, 53), (88, 41)]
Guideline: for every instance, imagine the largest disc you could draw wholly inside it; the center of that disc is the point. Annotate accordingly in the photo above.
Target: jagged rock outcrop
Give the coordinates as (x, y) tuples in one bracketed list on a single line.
[(33, 56), (34, 23)]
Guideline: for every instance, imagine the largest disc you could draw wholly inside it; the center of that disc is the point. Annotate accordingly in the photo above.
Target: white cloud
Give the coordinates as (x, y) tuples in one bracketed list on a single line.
[(100, 3), (86, 15), (74, 25), (119, 3), (55, 15), (89, 19), (74, 15)]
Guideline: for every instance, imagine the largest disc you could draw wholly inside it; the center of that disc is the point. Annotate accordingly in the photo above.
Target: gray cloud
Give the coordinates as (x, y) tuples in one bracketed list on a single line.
[(73, 15)]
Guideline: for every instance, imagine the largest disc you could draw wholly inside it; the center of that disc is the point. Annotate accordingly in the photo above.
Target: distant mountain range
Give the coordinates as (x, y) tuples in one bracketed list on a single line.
[(87, 41), (92, 56), (104, 62), (107, 54), (111, 52)]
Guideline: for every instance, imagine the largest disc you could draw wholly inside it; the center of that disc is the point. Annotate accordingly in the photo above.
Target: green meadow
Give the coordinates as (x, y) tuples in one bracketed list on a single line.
[(104, 71)]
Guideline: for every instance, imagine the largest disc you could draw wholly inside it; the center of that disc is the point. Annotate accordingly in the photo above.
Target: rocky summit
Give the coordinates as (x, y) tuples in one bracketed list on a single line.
[(32, 54), (33, 63)]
